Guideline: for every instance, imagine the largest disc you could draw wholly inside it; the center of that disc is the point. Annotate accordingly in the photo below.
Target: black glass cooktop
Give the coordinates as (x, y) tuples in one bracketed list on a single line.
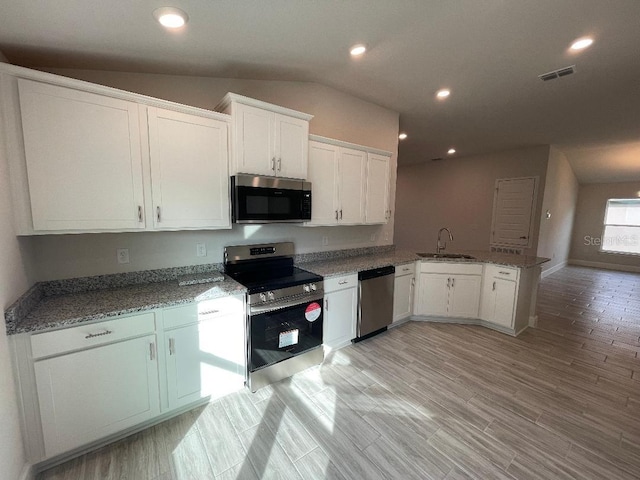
[(270, 277)]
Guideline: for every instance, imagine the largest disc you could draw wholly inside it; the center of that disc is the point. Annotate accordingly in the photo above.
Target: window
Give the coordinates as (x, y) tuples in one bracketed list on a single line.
[(622, 226)]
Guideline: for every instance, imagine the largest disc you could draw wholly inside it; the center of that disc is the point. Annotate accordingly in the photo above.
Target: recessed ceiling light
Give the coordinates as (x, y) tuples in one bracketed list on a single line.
[(451, 151), (170, 17), (357, 50), (444, 93), (402, 136), (581, 43)]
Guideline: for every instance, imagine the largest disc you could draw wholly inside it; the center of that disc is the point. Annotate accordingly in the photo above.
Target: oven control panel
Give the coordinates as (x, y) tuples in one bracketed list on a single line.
[(295, 294)]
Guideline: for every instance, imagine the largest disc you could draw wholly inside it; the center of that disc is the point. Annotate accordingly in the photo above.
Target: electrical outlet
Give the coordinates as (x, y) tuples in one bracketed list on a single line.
[(201, 250), (373, 237), (123, 255), (325, 241)]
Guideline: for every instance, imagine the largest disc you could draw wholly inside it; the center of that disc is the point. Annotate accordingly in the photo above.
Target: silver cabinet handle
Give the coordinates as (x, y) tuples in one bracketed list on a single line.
[(140, 213), (336, 215), (453, 282), (405, 269), (152, 351), (158, 213), (343, 282), (448, 282), (504, 273), (94, 335), (340, 214), (208, 312), (524, 237), (326, 304), (172, 346), (279, 164), (494, 286), (273, 164), (413, 282)]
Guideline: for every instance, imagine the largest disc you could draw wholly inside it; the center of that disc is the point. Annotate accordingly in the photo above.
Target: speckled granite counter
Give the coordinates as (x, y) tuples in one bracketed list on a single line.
[(510, 260), (68, 309), (345, 265)]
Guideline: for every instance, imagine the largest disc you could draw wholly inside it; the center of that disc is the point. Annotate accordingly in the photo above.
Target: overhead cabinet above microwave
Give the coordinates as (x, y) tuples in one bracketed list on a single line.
[(267, 139), (87, 158)]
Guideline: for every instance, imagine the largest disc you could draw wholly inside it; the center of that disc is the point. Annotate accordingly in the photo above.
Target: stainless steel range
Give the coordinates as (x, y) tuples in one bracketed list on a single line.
[(284, 327)]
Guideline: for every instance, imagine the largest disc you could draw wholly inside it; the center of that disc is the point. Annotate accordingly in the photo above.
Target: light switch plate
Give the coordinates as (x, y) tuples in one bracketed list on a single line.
[(201, 250), (123, 255)]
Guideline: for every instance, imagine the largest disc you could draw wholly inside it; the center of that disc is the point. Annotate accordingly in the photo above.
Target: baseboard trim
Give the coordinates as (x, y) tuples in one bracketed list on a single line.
[(27, 473), (560, 266), (604, 265)]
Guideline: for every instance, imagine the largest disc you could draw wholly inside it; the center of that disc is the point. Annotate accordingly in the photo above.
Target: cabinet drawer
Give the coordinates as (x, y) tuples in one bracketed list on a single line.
[(451, 268), (205, 310), (338, 283), (407, 269), (91, 335), (500, 271)]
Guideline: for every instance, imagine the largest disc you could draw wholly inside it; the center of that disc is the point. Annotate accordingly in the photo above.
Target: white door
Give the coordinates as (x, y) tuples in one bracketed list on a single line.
[(189, 170), (513, 207), (505, 302), (83, 159), (403, 297), (94, 393), (291, 146), (205, 359), (377, 196), (351, 186), (464, 300), (254, 140), (433, 294), (323, 175), (340, 317)]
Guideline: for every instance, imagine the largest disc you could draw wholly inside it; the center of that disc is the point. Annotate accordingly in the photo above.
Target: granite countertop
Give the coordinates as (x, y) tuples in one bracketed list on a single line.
[(65, 310), (481, 256), (342, 266)]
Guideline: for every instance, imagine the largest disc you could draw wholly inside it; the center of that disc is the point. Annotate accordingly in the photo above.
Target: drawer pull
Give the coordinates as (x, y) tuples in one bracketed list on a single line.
[(209, 312), (94, 335), (343, 282), (504, 273), (406, 269)]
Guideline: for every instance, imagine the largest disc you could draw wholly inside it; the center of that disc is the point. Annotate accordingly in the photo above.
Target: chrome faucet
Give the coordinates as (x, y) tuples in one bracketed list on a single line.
[(439, 246)]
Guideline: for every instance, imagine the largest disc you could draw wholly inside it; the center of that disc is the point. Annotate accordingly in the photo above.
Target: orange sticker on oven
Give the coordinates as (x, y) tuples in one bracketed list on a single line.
[(312, 313)]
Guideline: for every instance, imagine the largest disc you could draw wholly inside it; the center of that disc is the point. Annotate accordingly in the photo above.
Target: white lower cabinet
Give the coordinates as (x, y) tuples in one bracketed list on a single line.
[(404, 285), (205, 359), (449, 290), (340, 311), (499, 295), (88, 395)]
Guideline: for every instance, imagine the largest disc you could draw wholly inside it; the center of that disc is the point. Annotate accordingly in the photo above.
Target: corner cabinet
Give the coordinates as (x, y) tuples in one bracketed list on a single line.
[(86, 158), (350, 183), (449, 289), (267, 139)]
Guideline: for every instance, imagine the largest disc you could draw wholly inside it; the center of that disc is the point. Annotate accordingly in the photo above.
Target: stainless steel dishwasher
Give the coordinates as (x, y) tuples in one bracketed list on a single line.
[(375, 301)]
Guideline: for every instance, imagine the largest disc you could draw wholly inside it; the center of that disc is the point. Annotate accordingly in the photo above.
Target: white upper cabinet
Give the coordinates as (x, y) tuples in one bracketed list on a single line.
[(267, 139), (377, 199), (189, 170), (341, 174), (83, 159)]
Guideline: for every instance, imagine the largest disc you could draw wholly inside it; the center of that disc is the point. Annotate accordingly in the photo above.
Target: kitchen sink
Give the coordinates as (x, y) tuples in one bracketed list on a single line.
[(445, 255)]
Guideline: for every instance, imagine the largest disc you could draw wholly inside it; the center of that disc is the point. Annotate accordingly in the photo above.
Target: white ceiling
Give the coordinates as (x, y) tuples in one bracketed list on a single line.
[(489, 52)]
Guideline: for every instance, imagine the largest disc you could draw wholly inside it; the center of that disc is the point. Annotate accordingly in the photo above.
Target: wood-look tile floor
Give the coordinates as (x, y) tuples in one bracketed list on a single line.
[(427, 401)]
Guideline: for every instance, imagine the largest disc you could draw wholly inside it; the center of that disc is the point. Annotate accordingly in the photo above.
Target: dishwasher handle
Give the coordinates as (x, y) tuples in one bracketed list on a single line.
[(376, 272)]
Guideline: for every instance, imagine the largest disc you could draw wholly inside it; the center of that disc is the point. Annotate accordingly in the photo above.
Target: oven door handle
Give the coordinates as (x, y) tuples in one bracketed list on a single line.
[(285, 303)]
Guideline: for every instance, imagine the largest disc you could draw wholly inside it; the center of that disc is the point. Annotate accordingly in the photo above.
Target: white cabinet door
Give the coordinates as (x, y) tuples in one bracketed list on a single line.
[(351, 186), (377, 196), (433, 294), (83, 159), (254, 140), (505, 302), (88, 395), (323, 175), (189, 170), (403, 297), (291, 146), (340, 317), (464, 298), (205, 359)]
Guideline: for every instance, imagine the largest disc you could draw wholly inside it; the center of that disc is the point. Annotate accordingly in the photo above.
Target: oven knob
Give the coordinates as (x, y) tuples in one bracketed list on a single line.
[(271, 295), (306, 288), (263, 297), (313, 287)]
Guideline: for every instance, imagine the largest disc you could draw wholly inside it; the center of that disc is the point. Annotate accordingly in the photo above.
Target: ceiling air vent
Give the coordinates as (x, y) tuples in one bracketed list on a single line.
[(561, 72)]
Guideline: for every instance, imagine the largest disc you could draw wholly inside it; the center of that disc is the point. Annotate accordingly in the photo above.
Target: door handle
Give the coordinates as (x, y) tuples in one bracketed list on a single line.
[(494, 286), (336, 215), (158, 213), (152, 351), (326, 304), (453, 282), (140, 213), (279, 164), (172, 346), (340, 214), (273, 164)]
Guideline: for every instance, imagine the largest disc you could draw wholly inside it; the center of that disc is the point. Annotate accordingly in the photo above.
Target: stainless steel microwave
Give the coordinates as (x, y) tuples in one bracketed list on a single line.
[(258, 199)]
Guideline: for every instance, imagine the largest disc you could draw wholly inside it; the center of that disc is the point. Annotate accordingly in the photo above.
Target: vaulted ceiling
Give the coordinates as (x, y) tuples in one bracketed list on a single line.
[(488, 52)]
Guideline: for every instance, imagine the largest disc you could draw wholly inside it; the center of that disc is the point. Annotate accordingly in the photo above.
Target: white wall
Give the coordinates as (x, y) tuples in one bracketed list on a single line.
[(589, 223), (14, 280), (336, 115), (458, 193), (560, 197)]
